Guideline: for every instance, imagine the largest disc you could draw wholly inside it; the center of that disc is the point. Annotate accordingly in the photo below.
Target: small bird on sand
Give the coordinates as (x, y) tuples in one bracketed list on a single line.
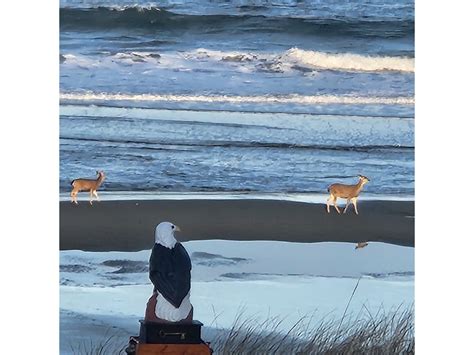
[(361, 245)]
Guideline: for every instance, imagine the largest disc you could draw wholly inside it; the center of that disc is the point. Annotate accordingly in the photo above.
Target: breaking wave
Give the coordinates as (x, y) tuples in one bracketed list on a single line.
[(294, 59), (264, 99), (306, 60), (348, 61)]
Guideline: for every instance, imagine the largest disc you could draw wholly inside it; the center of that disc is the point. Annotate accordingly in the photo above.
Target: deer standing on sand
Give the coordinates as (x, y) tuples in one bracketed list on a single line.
[(349, 192), (90, 185)]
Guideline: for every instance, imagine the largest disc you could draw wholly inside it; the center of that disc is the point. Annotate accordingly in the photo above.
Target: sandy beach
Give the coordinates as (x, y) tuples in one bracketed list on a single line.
[(129, 225)]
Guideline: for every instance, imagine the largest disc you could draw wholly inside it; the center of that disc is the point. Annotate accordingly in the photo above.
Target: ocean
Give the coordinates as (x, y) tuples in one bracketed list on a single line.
[(211, 96)]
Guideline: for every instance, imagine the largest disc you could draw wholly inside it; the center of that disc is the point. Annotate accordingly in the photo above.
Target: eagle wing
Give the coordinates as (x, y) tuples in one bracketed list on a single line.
[(170, 272)]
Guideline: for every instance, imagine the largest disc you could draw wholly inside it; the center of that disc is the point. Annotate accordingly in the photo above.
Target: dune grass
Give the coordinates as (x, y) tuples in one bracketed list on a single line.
[(110, 344), (381, 333)]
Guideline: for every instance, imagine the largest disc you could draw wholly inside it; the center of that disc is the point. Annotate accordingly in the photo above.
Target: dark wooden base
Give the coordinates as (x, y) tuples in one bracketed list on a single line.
[(168, 338), (170, 333), (173, 349)]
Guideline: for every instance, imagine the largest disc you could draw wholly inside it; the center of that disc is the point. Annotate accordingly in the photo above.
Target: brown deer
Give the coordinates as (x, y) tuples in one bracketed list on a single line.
[(90, 185), (349, 192)]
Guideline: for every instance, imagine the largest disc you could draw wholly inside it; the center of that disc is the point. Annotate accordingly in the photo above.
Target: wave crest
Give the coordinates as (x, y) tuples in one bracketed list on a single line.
[(291, 60), (347, 61), (234, 99)]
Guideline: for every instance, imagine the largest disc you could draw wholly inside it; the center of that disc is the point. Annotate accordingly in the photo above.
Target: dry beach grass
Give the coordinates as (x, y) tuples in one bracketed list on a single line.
[(379, 334), (374, 334)]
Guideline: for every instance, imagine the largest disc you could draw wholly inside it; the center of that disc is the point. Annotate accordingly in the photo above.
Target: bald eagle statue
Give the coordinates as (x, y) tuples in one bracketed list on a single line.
[(170, 273)]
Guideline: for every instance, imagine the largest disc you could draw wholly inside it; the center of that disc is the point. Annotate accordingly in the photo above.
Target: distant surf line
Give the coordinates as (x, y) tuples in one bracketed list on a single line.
[(257, 99)]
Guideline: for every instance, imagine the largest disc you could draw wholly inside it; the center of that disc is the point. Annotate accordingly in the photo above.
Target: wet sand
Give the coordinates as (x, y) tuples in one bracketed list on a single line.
[(129, 225)]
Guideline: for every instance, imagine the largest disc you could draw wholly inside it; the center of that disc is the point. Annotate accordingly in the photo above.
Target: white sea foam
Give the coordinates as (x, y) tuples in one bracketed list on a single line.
[(80, 61), (236, 99), (136, 57), (232, 56), (308, 59), (294, 59), (295, 197), (347, 61)]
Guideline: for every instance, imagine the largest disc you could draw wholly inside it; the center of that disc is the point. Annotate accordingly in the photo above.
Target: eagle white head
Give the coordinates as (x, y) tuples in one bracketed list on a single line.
[(164, 234)]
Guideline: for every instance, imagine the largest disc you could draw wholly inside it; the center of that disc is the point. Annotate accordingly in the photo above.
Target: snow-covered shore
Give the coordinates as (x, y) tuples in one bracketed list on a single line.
[(106, 292)]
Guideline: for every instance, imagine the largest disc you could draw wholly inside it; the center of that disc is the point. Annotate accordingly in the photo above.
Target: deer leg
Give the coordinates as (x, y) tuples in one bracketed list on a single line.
[(335, 205), (96, 195), (354, 202), (74, 196), (329, 200), (90, 195), (348, 202)]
